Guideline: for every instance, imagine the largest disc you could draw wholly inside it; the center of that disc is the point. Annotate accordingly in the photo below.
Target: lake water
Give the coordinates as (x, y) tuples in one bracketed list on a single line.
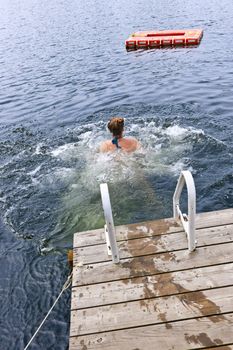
[(64, 72)]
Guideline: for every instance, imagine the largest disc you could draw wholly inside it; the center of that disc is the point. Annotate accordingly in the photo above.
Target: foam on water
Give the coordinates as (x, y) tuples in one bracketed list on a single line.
[(164, 152), (162, 148), (69, 167), (66, 152)]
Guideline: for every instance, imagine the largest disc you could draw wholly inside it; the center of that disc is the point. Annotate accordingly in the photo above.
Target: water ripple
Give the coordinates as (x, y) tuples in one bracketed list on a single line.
[(64, 71)]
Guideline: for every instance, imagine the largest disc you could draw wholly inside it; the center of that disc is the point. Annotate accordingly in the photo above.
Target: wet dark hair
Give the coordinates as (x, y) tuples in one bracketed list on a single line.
[(116, 126)]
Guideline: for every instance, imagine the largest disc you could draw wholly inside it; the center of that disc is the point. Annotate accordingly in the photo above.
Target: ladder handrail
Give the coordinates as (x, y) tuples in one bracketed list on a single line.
[(109, 226), (187, 221)]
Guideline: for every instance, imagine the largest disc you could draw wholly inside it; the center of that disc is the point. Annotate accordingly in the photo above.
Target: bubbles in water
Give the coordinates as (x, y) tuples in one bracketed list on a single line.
[(132, 178), (162, 147), (66, 152), (58, 180)]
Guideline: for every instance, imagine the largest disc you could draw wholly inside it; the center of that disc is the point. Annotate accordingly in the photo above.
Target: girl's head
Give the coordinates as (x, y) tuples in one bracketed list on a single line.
[(116, 126)]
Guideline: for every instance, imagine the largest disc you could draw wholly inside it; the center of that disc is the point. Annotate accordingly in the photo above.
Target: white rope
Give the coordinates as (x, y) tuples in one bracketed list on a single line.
[(65, 286)]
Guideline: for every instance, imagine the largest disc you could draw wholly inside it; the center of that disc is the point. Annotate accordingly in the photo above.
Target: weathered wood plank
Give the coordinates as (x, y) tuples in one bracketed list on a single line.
[(152, 286), (182, 335), (151, 228), (152, 311), (151, 265), (155, 244), (130, 231)]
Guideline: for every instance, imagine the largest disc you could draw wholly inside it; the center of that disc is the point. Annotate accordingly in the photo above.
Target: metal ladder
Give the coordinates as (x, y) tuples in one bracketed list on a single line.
[(188, 221)]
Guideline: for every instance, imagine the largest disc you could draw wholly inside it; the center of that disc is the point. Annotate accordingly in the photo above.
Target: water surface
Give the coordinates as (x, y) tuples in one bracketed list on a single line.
[(63, 72)]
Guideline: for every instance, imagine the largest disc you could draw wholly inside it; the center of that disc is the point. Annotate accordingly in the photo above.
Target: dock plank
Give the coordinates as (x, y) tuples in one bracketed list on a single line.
[(152, 311), (153, 264), (198, 333), (153, 228), (152, 286), (156, 244), (160, 295)]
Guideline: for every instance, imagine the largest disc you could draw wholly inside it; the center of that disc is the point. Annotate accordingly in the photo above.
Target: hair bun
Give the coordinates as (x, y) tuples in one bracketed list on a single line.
[(116, 125), (120, 120)]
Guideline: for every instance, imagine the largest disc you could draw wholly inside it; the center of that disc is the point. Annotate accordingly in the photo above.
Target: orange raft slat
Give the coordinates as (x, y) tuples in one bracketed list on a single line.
[(157, 39)]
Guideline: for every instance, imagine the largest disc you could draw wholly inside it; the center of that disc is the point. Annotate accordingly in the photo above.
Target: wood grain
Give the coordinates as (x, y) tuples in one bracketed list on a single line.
[(152, 311), (152, 286), (156, 244), (160, 296), (153, 228), (153, 264), (196, 333)]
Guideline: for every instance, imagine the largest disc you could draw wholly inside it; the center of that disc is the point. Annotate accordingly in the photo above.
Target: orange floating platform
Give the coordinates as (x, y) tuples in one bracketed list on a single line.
[(164, 38)]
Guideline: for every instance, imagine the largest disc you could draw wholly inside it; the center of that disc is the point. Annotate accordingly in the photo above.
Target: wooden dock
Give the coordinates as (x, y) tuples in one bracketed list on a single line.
[(160, 296)]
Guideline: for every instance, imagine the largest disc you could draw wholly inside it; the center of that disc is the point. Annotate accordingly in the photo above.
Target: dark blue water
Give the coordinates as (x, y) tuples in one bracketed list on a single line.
[(63, 72)]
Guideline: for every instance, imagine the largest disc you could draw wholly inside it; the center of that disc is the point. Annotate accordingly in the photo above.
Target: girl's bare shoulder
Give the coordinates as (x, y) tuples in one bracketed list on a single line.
[(131, 144), (106, 146)]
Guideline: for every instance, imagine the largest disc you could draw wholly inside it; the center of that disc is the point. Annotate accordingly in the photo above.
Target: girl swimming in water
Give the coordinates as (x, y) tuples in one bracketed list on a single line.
[(116, 127)]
